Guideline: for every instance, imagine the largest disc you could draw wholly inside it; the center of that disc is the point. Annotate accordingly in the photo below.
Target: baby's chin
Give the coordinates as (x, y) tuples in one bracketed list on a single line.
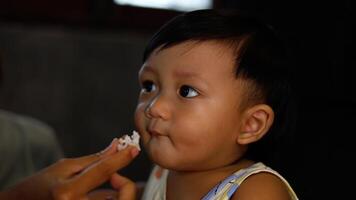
[(163, 153), (169, 162), (161, 159)]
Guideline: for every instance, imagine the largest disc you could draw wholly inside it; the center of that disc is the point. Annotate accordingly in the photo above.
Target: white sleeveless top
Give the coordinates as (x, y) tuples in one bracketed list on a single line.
[(156, 186)]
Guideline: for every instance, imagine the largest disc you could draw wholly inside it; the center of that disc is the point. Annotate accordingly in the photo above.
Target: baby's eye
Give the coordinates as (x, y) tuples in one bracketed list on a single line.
[(187, 91), (148, 86)]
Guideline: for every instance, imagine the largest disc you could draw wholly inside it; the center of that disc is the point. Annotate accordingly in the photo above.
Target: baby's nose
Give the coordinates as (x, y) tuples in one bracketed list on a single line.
[(159, 107)]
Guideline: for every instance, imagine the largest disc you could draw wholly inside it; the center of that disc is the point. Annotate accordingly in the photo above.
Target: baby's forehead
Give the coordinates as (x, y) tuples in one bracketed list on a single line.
[(209, 63), (192, 55), (218, 46), (196, 51)]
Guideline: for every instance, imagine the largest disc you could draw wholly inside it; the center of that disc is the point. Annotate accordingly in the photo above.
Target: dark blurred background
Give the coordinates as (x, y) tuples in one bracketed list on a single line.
[(73, 64)]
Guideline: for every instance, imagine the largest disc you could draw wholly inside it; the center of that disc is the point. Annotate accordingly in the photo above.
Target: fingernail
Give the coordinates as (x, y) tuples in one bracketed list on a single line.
[(134, 152), (109, 198)]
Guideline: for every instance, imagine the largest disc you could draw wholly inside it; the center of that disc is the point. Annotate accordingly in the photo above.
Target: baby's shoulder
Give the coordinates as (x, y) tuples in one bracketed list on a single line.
[(263, 185)]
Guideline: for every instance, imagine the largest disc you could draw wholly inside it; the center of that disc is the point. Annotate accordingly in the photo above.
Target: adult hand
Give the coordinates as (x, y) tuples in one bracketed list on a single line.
[(73, 179)]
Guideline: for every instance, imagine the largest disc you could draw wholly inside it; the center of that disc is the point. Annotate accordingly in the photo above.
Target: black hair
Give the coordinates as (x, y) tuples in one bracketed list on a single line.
[(261, 58)]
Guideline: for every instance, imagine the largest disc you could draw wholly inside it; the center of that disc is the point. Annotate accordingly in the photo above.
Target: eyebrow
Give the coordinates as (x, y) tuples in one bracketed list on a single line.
[(147, 68), (181, 73), (191, 75), (178, 73)]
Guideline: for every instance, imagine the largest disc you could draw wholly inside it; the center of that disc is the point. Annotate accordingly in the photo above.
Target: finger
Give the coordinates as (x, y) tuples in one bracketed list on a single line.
[(111, 149), (125, 187), (101, 171), (75, 165), (104, 194)]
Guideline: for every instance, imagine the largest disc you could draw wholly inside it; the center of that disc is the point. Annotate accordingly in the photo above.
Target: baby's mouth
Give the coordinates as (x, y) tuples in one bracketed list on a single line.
[(154, 129), (155, 133)]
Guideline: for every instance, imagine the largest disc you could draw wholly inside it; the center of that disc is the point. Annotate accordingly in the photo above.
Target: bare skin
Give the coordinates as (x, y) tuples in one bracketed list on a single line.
[(262, 186), (186, 183)]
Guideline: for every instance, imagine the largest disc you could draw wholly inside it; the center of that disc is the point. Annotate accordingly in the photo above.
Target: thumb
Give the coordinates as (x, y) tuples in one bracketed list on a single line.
[(125, 187)]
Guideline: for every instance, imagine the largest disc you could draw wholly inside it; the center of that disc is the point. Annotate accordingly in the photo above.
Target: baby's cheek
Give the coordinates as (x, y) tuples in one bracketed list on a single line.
[(187, 133), (139, 117), (195, 135), (140, 123)]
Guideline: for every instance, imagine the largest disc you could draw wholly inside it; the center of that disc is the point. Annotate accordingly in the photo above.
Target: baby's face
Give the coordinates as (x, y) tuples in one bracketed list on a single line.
[(188, 110)]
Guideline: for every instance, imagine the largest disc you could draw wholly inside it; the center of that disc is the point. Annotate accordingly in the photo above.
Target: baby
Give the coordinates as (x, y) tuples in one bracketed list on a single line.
[(214, 102)]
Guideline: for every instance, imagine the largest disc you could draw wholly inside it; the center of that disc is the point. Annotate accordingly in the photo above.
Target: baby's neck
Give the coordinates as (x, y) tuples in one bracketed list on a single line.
[(196, 184)]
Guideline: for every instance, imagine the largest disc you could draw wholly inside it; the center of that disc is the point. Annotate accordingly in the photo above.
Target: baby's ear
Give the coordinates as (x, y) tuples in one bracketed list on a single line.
[(257, 120)]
